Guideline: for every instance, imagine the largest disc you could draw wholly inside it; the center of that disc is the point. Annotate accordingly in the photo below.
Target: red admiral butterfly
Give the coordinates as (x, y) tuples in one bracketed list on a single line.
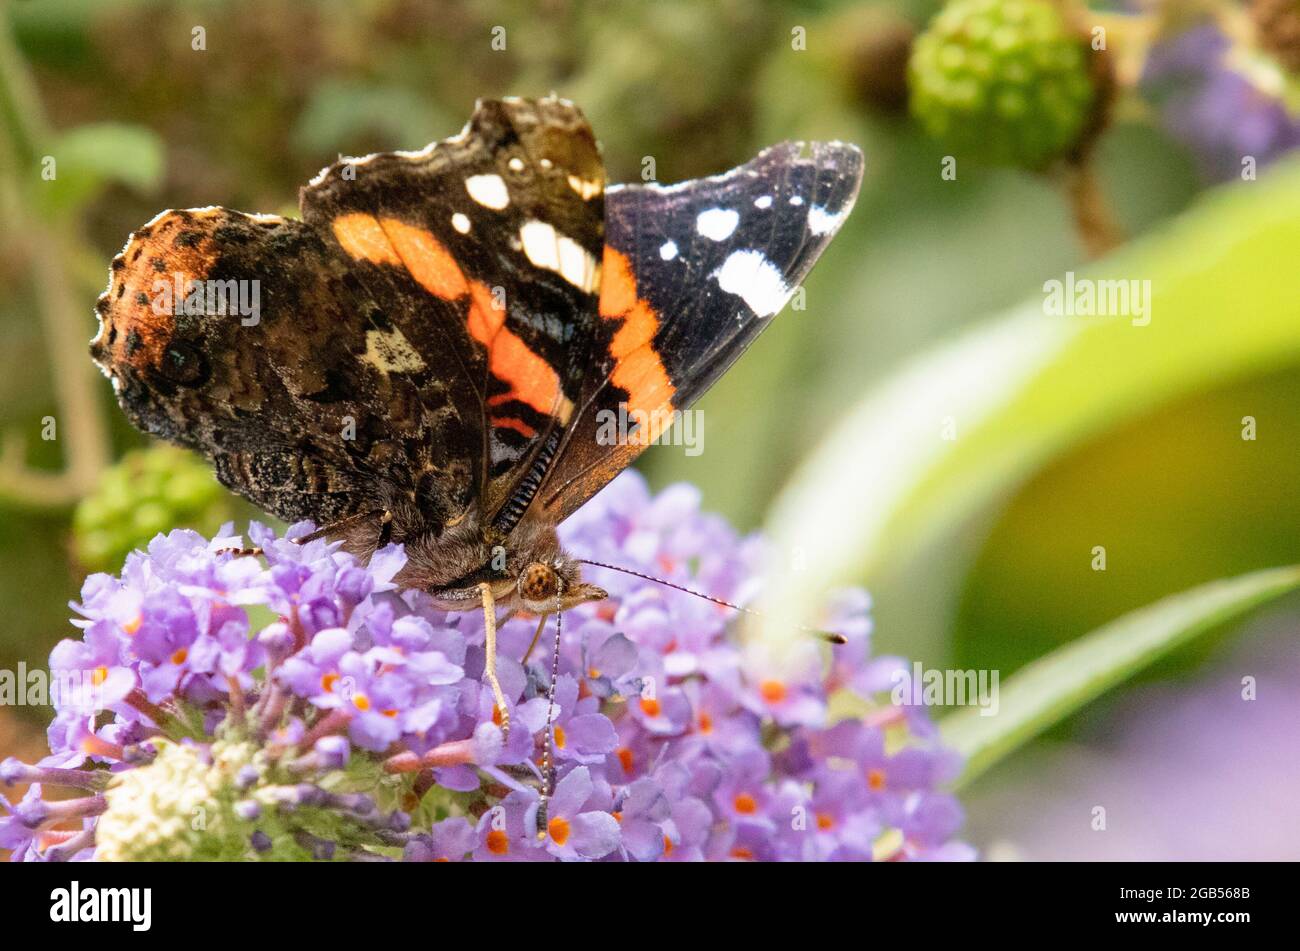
[(431, 347)]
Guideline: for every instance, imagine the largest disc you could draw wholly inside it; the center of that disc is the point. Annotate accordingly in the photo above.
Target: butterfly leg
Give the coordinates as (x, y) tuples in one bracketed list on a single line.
[(386, 523), (490, 667), (541, 623)]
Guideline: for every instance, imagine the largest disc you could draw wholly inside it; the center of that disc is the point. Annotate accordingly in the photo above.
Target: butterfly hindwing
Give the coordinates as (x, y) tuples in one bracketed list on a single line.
[(247, 338)]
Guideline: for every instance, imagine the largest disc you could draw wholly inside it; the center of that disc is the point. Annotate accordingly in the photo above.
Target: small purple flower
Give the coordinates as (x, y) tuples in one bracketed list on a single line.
[(447, 841), (15, 835), (1211, 103), (582, 734), (571, 830), (787, 687)]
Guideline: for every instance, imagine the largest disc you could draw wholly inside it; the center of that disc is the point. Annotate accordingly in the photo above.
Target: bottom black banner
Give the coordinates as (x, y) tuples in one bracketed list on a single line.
[(136, 901)]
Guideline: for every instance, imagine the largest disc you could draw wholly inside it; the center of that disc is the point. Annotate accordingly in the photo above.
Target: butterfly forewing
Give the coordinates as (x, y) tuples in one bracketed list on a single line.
[(693, 274)]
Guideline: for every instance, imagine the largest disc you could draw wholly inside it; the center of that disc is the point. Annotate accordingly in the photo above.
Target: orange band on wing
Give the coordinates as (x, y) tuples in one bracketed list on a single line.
[(391, 241), (363, 238), (518, 425), (424, 256), (485, 318), (637, 368), (530, 378)]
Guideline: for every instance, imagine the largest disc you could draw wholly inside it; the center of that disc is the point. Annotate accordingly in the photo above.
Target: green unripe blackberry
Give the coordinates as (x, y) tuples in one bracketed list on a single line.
[(148, 491), (1002, 81)]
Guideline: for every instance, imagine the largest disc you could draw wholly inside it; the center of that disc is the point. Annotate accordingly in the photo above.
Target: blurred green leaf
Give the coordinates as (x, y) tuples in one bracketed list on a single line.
[(88, 157), (1019, 390), (1177, 498), (1045, 692), (340, 114)]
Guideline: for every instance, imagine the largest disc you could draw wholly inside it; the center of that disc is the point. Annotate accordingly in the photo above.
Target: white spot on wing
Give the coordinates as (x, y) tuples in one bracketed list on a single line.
[(796, 199), (548, 249), (585, 188), (821, 221), (764, 202), (488, 190), (460, 223), (668, 250), (391, 352), (516, 164), (717, 224), (753, 278)]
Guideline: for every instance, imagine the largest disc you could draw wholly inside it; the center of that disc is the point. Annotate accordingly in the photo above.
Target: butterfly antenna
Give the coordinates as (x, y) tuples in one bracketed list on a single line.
[(548, 760), (829, 636)]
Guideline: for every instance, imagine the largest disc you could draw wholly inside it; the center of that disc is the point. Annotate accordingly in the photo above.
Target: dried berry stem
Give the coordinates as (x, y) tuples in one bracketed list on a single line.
[(1094, 218)]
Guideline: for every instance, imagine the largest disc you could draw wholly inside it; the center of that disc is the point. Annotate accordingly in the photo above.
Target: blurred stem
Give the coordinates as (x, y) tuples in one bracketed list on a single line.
[(1094, 218), (1110, 71), (1128, 40), (20, 104), (49, 246)]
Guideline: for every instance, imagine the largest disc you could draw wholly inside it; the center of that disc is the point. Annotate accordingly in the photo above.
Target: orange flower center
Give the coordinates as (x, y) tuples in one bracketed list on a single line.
[(328, 681), (650, 706), (99, 675), (559, 737), (740, 852), (497, 843), (876, 779), (361, 702), (706, 723), (559, 830), (133, 625), (825, 821), (745, 804), (626, 758), (772, 691), (178, 658)]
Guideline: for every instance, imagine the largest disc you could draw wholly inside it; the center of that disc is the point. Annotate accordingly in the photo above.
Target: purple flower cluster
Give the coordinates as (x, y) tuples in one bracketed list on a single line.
[(1215, 106), (671, 740)]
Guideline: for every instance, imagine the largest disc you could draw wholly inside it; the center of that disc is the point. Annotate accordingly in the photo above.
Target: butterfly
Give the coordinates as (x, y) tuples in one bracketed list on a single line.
[(430, 354)]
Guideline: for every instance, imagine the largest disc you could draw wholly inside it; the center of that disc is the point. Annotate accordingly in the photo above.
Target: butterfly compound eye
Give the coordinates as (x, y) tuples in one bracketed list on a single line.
[(538, 582), (182, 364)]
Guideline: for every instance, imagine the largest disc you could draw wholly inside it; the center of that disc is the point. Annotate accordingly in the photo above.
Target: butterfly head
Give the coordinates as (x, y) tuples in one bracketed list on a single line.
[(536, 574), (537, 586), (541, 585), (527, 571)]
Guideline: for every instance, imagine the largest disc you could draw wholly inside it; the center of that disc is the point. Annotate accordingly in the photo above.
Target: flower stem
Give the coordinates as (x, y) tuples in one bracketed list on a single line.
[(1094, 217), (63, 317)]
